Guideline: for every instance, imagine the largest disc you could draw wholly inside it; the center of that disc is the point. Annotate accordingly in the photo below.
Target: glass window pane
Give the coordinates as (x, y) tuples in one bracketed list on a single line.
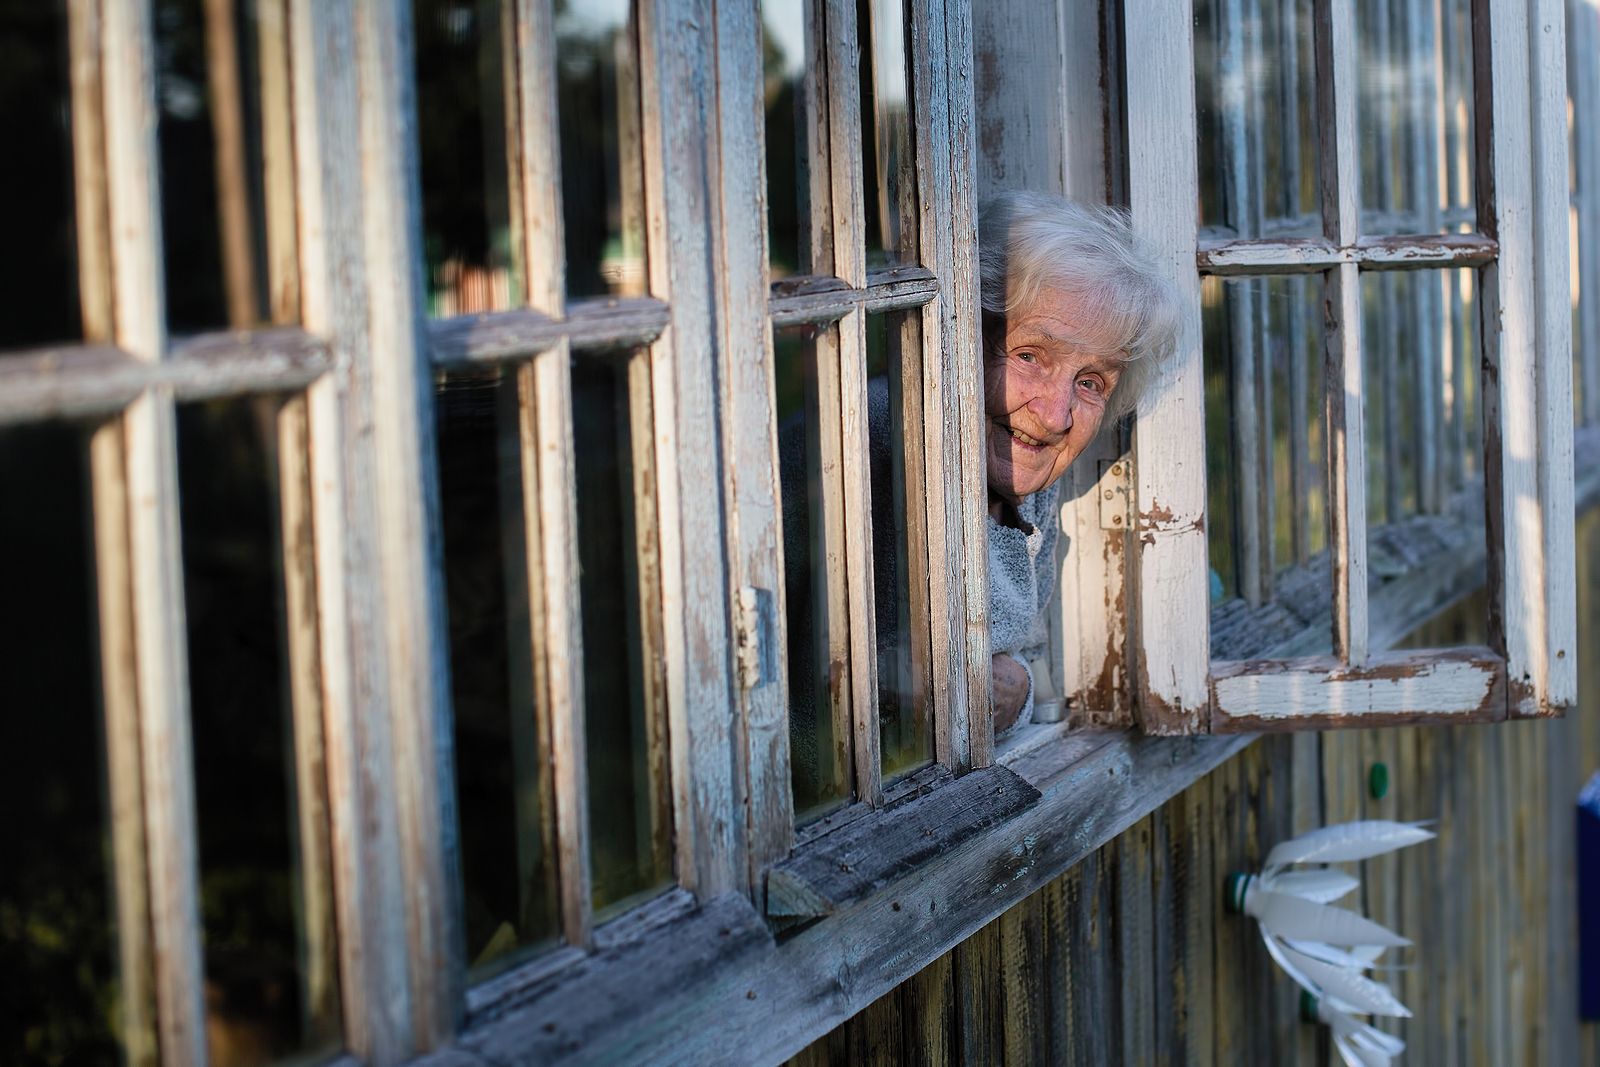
[(260, 800), (35, 113), (899, 540), (507, 869), (58, 935), (1423, 412), (473, 256), (1414, 118), (602, 162), (1255, 91), (789, 134), (1265, 445), (809, 463), (221, 74), (888, 158), (624, 680)]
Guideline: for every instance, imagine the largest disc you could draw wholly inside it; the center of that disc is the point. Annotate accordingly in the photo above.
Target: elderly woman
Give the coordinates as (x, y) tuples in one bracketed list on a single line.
[(1076, 318)]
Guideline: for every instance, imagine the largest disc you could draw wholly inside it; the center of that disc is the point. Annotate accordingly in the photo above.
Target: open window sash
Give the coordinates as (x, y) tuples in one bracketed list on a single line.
[(1520, 252)]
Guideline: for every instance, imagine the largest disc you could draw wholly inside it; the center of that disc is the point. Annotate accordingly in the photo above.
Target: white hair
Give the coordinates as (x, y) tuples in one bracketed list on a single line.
[(1027, 241)]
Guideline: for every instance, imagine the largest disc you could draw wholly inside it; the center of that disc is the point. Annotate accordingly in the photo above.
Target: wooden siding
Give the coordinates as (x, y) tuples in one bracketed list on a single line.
[(1130, 957)]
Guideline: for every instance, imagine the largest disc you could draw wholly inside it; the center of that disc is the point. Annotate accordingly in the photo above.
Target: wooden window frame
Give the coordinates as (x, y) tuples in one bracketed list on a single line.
[(1522, 262), (369, 666)]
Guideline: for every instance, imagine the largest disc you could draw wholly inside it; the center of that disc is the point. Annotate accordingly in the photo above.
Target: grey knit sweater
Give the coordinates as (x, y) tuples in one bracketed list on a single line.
[(1021, 563)]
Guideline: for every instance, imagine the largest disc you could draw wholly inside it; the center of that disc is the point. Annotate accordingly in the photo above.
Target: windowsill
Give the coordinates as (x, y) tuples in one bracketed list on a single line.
[(714, 977), (687, 981)]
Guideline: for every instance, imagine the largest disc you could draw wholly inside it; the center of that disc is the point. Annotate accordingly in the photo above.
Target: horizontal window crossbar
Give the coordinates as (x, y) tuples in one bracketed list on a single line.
[(1306, 255), (1436, 685), (812, 299), (499, 336), (84, 381)]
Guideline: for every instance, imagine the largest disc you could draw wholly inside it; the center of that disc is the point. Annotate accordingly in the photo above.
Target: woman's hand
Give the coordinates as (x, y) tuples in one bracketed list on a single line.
[(1010, 690)]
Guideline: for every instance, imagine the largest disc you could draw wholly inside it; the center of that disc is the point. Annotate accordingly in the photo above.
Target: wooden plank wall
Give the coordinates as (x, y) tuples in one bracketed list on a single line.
[(1130, 957)]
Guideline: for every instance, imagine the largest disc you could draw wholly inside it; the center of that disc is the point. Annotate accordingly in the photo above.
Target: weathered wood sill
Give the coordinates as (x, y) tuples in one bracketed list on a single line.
[(713, 983), (716, 979)]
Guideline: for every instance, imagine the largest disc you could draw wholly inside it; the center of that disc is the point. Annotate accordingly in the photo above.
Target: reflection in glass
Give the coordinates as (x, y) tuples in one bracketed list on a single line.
[(220, 69), (624, 682), (789, 133), (888, 159), (507, 873), (58, 938), (463, 87), (35, 113), (1414, 117), (1424, 429), (809, 465), (270, 965), (1265, 446), (899, 540), (1255, 91), (602, 162)]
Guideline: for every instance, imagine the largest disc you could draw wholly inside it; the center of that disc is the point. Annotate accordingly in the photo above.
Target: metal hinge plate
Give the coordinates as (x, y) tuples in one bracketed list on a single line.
[(1113, 491)]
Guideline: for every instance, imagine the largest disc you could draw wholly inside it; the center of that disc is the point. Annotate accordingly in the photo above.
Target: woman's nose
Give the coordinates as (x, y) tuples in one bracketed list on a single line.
[(1055, 407)]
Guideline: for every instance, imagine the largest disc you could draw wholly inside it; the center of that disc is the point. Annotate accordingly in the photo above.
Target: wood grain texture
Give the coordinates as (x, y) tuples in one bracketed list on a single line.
[(828, 299), (1345, 425), (1508, 334), (498, 336), (1438, 685), (367, 875), (964, 339), (952, 720), (155, 562), (407, 498), (846, 865), (848, 231), (1556, 669), (1310, 255), (708, 780), (544, 419), (1169, 437)]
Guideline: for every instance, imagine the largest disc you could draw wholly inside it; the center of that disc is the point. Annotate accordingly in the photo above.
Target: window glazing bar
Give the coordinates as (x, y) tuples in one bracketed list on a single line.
[(155, 565), (1337, 91)]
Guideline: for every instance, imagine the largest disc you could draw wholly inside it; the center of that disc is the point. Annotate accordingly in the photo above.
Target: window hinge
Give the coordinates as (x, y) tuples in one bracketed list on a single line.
[(1113, 488), (757, 654)]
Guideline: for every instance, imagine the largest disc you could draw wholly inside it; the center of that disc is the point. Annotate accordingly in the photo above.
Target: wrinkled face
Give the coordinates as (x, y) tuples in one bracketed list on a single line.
[(1045, 383)]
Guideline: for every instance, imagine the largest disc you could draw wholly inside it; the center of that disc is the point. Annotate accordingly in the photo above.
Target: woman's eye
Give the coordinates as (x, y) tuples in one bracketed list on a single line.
[(1027, 357), (1091, 384)]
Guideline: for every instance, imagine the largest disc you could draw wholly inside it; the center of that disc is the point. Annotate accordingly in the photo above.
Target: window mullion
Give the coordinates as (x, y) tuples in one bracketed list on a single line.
[(707, 779), (155, 565), (965, 341), (941, 423), (371, 882), (1526, 459), (1173, 597), (1555, 669), (1337, 87), (113, 557), (544, 405), (846, 124), (746, 345)]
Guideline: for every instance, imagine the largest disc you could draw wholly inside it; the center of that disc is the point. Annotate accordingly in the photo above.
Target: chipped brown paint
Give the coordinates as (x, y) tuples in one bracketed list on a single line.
[(1159, 519), (1320, 670)]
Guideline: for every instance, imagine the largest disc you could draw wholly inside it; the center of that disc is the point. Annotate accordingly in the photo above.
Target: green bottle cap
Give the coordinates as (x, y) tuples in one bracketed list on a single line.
[(1378, 781), (1234, 890)]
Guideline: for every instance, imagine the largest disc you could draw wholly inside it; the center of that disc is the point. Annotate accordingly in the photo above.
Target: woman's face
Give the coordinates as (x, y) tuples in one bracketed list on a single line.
[(1045, 385)]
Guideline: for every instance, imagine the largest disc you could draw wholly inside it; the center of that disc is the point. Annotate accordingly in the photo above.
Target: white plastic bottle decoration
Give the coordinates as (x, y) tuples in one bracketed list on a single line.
[(1328, 950)]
